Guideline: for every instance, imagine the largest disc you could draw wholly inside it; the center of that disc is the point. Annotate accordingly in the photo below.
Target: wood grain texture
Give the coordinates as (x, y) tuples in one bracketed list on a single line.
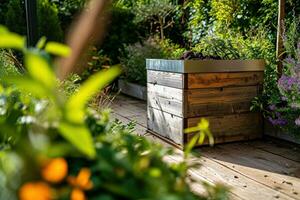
[(133, 89), (266, 168), (217, 101), (229, 128), (260, 169), (175, 80), (166, 99), (215, 80), (165, 124)]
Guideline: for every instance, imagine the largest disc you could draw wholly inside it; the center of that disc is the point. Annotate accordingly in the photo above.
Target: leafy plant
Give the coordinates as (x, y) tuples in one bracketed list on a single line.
[(134, 60), (67, 150)]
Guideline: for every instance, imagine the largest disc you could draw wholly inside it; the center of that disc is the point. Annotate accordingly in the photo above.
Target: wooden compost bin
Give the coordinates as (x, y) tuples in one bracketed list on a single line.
[(181, 92)]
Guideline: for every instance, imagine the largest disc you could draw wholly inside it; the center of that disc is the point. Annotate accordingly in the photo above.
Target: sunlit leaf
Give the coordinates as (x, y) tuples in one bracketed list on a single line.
[(58, 49), (12, 40), (3, 30), (201, 138), (40, 70), (210, 137), (28, 85), (77, 102), (191, 129), (204, 124), (41, 43), (79, 136)]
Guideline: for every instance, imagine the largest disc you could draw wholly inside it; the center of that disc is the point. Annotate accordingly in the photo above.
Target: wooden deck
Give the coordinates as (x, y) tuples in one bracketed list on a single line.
[(257, 170)]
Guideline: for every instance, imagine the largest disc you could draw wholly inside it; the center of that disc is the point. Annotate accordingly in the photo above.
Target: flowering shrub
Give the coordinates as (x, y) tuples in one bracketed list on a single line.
[(285, 111)]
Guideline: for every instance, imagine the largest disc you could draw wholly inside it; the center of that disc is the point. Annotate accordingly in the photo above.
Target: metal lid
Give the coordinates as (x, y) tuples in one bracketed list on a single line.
[(198, 66)]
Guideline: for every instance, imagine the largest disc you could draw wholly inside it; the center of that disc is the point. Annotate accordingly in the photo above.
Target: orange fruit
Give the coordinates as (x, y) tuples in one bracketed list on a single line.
[(35, 190), (77, 194), (55, 170)]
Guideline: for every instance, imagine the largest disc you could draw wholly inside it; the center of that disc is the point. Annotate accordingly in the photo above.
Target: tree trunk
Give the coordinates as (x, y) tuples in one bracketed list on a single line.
[(31, 21), (280, 30)]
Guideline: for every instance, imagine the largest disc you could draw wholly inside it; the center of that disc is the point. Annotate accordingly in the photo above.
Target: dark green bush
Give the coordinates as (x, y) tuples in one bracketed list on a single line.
[(134, 60), (15, 17), (48, 21)]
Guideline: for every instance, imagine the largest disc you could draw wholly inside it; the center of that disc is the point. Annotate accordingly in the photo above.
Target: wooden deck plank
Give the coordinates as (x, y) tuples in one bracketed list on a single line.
[(253, 170), (281, 148), (268, 169)]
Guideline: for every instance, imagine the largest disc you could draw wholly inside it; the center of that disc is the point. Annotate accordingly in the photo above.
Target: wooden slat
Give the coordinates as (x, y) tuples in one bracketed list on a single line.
[(132, 89), (215, 80), (221, 95), (240, 185), (175, 80), (268, 169), (166, 99), (217, 101), (279, 147), (229, 128), (165, 124)]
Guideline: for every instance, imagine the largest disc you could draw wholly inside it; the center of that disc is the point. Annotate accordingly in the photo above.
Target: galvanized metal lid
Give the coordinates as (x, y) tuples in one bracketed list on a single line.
[(198, 66)]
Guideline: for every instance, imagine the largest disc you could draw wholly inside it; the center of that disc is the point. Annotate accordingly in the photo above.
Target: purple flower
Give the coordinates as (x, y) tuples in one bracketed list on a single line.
[(278, 122), (287, 83), (272, 107)]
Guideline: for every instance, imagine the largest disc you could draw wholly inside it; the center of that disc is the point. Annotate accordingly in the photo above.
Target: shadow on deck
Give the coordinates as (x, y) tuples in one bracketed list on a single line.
[(261, 169)]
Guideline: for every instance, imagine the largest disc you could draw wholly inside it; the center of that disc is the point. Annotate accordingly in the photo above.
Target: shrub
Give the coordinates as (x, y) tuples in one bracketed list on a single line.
[(121, 31), (15, 16), (255, 45), (96, 159), (282, 108), (134, 60), (48, 22)]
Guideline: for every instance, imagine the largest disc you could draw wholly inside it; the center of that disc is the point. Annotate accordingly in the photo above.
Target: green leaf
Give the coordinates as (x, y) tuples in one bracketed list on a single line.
[(11, 40), (204, 124), (40, 70), (28, 85), (79, 136), (41, 43), (76, 103), (201, 137), (58, 49), (3, 30)]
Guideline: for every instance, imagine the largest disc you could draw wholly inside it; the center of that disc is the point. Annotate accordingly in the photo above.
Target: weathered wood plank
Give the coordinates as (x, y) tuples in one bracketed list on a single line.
[(215, 80), (280, 134), (243, 184), (240, 185), (221, 95), (218, 101), (175, 80), (278, 147), (166, 99), (229, 128), (132, 89), (268, 169), (165, 124)]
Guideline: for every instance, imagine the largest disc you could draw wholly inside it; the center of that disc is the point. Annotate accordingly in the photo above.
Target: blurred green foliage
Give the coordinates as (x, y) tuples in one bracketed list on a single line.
[(39, 121), (14, 17)]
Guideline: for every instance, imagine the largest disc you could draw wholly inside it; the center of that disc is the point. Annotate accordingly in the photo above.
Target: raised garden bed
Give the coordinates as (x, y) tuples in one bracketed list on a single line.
[(276, 132), (132, 89), (181, 92)]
